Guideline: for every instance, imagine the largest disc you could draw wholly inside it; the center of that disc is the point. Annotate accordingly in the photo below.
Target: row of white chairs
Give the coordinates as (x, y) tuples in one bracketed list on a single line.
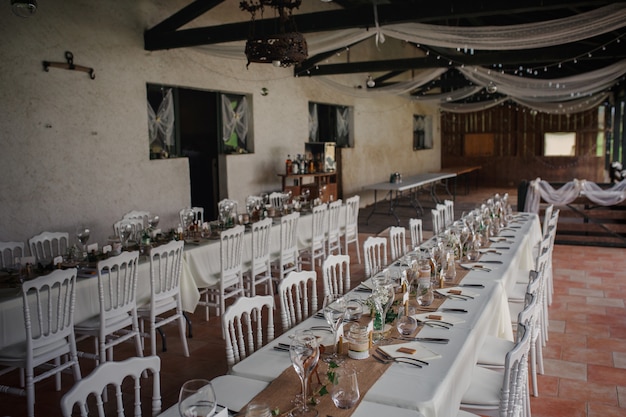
[(236, 279), (51, 333), (442, 216)]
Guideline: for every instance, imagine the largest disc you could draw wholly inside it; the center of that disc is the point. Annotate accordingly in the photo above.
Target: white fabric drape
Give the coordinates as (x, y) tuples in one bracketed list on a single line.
[(343, 121), (570, 95), (161, 123), (542, 190), (313, 122), (234, 120)]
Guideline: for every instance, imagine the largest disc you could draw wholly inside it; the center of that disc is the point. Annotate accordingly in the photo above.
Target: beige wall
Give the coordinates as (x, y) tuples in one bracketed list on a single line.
[(75, 150)]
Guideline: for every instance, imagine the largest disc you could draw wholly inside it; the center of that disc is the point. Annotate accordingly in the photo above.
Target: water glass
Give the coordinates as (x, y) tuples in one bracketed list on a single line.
[(405, 323), (197, 399), (255, 409), (345, 388), (424, 292)]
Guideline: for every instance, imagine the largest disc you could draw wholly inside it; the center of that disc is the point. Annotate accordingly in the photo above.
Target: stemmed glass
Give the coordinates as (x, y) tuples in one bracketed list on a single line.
[(82, 234), (305, 353), (383, 295), (153, 222), (126, 231), (335, 308), (197, 399)]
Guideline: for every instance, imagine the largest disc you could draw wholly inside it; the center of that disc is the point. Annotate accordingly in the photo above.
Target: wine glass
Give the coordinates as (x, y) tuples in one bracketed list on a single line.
[(153, 222), (406, 324), (82, 234), (345, 390), (197, 399), (305, 353), (335, 308), (126, 231)]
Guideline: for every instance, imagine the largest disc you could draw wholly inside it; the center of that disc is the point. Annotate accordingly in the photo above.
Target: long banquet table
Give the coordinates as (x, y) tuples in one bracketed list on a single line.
[(435, 390), (413, 184), (201, 264)]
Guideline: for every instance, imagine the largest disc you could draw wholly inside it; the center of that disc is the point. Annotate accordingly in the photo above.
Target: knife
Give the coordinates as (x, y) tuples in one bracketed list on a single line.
[(426, 339), (471, 285), (489, 262), (453, 310)]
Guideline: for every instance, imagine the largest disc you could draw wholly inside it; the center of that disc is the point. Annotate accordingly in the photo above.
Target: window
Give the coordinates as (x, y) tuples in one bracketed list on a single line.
[(179, 116), (422, 132), (331, 123), (559, 144)]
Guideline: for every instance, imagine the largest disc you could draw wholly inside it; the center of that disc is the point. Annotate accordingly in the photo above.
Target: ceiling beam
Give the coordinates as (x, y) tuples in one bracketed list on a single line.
[(164, 35)]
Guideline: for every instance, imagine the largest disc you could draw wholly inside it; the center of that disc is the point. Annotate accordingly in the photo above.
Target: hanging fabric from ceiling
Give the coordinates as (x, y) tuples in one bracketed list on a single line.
[(539, 93)]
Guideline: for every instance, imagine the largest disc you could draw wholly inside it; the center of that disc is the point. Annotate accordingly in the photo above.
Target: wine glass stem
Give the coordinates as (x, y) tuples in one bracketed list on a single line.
[(305, 390)]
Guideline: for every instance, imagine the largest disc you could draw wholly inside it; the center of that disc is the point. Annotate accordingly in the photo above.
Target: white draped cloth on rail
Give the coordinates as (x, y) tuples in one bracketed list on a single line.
[(542, 190)]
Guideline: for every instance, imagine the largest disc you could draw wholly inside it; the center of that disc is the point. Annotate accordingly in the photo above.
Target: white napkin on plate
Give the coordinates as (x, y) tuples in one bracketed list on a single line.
[(449, 318), (421, 352), (458, 290)]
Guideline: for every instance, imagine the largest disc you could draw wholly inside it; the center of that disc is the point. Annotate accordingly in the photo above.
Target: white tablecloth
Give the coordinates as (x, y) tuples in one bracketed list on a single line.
[(435, 390)]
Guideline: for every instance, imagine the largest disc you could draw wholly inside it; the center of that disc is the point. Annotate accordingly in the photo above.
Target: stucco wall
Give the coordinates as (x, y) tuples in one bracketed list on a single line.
[(75, 150)]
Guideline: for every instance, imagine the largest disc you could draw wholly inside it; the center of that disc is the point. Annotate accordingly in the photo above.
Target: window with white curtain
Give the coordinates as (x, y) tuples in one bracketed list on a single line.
[(331, 123)]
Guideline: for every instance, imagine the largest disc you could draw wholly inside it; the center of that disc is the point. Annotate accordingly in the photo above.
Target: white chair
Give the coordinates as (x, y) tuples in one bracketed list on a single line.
[(547, 215), (316, 244), (333, 233), (165, 271), (350, 230), (259, 270), (336, 274), (375, 252), (48, 245), (493, 393), (136, 226), (397, 239), (552, 226), (448, 213), (48, 304), (229, 282), (277, 200), (243, 325), (9, 251), (114, 374), (438, 219), (117, 320), (288, 257), (416, 232), (492, 353), (138, 214), (295, 302)]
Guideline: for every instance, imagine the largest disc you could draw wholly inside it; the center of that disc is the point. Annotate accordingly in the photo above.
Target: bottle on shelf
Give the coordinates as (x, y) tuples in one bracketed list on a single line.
[(295, 167), (288, 165), (303, 165)]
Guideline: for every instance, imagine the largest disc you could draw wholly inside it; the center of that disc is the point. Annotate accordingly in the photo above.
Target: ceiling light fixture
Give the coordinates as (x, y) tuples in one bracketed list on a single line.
[(370, 82), (24, 8), (285, 46)]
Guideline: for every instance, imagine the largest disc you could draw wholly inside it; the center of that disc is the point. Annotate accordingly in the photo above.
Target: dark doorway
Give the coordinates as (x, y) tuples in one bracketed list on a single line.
[(199, 142)]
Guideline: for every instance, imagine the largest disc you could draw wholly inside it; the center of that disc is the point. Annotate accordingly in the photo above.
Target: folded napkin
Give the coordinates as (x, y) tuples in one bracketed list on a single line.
[(421, 352), (457, 291), (447, 318)]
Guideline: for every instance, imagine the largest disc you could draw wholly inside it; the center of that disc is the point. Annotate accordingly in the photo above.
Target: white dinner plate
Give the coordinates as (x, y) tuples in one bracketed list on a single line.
[(448, 318), (459, 291), (421, 352), (479, 266)]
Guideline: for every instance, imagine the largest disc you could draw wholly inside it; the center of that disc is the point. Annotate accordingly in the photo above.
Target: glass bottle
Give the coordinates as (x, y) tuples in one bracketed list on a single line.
[(288, 165)]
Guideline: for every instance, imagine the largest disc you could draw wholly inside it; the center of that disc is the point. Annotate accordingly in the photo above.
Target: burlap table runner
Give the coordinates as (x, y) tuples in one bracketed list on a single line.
[(281, 393)]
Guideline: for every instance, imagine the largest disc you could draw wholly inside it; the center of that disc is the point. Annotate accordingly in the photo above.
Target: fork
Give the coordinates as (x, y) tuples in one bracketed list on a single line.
[(399, 360), (388, 356)]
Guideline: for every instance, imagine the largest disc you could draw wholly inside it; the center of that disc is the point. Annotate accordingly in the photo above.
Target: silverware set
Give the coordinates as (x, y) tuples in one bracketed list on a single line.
[(383, 357)]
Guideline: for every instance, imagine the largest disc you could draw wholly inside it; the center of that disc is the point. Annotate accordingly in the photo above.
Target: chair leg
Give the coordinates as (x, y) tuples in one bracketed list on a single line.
[(533, 368), (183, 338), (30, 392), (189, 333), (163, 341)]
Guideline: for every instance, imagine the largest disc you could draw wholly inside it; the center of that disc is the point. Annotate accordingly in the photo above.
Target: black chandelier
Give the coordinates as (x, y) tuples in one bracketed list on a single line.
[(285, 46)]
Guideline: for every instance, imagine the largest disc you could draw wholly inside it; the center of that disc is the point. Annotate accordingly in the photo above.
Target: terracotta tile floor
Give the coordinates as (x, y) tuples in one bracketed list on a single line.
[(585, 358)]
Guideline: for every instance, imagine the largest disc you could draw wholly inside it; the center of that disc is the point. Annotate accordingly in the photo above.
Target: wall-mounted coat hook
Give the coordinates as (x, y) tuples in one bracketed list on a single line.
[(69, 65)]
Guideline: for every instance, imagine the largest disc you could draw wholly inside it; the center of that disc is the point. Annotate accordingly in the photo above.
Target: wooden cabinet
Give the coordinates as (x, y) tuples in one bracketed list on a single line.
[(322, 184)]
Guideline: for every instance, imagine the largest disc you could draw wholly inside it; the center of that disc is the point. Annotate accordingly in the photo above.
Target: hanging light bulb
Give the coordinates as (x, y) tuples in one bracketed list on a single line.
[(492, 88), (370, 82)]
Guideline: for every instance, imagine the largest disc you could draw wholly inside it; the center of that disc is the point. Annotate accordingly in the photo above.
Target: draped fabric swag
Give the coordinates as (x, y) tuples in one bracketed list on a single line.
[(542, 190), (563, 96), (161, 122)]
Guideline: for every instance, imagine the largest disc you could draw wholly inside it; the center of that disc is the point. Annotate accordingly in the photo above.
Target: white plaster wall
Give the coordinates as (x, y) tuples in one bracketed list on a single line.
[(75, 150)]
